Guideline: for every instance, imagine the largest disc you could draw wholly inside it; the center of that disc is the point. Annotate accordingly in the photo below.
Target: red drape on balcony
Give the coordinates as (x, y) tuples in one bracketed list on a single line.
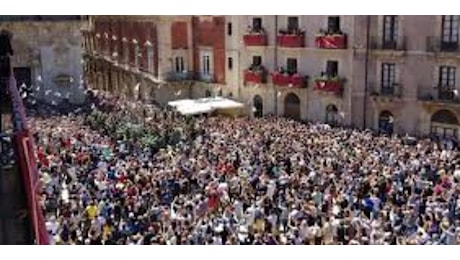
[(27, 164)]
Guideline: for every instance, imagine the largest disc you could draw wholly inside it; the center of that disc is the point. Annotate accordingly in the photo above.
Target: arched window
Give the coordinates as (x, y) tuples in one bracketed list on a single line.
[(444, 124), (258, 104), (331, 114), (292, 106), (386, 122)]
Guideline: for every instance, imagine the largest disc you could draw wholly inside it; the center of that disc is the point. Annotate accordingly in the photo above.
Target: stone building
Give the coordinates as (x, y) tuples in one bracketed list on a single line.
[(392, 74), (47, 55)]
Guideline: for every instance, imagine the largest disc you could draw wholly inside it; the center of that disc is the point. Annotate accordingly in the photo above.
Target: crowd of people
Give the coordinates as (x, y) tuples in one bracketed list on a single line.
[(221, 180)]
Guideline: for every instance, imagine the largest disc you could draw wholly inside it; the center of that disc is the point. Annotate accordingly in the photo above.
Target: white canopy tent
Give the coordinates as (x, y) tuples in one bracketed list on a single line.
[(206, 105)]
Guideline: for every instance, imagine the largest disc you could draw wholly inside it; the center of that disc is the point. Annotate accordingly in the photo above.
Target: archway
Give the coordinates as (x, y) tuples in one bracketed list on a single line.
[(444, 124), (292, 106), (332, 114), (258, 105), (386, 122), (207, 93)]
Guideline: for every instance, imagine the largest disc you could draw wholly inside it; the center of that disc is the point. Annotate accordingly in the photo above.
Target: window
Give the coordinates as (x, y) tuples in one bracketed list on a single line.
[(206, 65), (257, 23), (446, 82), (390, 31), (291, 66), (388, 78), (230, 63), (333, 24), (257, 60), (447, 76), (293, 24), (229, 29), (179, 62), (332, 68), (449, 32)]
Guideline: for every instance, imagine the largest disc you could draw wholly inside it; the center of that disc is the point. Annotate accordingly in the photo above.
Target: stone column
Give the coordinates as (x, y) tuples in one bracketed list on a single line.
[(125, 44), (150, 64), (136, 53)]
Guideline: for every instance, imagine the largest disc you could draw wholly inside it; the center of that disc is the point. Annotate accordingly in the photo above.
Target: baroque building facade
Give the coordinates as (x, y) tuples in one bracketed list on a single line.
[(394, 74)]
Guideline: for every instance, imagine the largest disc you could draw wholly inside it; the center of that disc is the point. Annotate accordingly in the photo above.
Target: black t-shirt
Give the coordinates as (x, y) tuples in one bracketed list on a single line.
[(95, 241)]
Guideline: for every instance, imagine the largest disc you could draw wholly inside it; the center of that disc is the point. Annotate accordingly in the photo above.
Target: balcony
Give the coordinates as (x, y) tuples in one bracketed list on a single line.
[(398, 45), (329, 84), (294, 39), (331, 41), (174, 76), (383, 93), (255, 38), (440, 98), (437, 45), (392, 90), (287, 80), (205, 77), (255, 76)]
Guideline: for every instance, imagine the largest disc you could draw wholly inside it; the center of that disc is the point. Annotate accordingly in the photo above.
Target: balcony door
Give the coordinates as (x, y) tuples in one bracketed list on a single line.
[(446, 83), (332, 68), (206, 69), (388, 78), (333, 24), (390, 31), (293, 24), (291, 66), (179, 64), (257, 61), (449, 41), (257, 24)]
